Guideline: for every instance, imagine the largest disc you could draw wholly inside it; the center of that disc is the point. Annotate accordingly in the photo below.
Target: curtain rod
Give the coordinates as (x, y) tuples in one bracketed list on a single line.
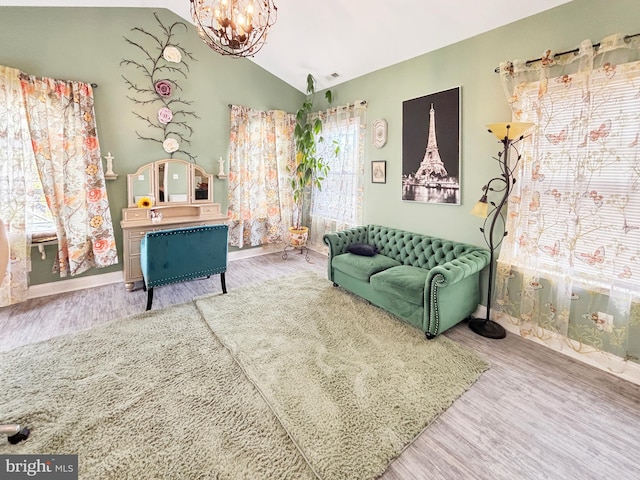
[(361, 102), (93, 85), (575, 50)]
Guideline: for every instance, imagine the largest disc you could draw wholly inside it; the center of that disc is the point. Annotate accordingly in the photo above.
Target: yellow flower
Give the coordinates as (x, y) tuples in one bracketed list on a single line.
[(144, 202), (299, 158), (96, 221)]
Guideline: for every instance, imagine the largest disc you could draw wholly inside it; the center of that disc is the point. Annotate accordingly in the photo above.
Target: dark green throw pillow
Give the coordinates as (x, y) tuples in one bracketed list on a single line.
[(363, 249)]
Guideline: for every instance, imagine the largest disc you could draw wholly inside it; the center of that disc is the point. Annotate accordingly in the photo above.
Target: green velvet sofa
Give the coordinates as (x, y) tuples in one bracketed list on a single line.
[(429, 282)]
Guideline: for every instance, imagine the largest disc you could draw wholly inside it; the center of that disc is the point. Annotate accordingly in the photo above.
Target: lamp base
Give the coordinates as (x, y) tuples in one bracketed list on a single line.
[(487, 328)]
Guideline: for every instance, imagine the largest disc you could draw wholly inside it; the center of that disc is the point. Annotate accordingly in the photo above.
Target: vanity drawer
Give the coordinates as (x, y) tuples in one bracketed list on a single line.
[(135, 214), (137, 233), (210, 209), (134, 246)]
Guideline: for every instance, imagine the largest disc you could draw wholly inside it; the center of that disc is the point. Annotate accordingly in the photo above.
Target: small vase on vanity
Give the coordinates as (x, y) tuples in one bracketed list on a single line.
[(156, 216)]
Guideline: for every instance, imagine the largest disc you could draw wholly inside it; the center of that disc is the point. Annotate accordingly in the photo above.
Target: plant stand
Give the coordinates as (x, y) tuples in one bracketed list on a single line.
[(302, 248)]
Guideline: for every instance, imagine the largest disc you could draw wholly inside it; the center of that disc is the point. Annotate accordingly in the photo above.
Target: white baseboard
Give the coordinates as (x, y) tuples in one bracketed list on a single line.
[(74, 284), (255, 251), (630, 371)]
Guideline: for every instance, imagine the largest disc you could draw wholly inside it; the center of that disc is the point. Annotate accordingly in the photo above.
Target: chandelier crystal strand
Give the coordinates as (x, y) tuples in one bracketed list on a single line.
[(237, 28)]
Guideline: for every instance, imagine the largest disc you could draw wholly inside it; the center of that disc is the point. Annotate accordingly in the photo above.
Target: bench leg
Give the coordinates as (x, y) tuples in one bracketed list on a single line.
[(149, 298), (224, 284)]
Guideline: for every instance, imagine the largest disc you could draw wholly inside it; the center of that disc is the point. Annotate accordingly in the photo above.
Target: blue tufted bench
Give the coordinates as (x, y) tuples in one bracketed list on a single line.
[(429, 282), (180, 254)]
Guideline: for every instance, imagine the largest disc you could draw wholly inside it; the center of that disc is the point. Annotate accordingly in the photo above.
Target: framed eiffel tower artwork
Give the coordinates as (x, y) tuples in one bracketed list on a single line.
[(431, 148)]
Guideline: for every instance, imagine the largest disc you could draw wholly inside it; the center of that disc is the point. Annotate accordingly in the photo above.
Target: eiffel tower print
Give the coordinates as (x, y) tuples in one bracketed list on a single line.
[(431, 174), (431, 166)]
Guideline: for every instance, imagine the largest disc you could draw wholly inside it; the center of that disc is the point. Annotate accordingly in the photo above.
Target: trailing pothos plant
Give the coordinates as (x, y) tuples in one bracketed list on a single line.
[(311, 168)]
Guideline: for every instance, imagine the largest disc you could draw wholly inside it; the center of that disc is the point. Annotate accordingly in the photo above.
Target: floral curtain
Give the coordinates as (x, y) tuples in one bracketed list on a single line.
[(260, 198), (338, 204), (63, 131), (16, 168), (567, 270)]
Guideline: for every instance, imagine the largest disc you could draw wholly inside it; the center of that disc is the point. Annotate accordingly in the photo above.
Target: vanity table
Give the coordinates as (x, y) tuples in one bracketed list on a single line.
[(181, 195)]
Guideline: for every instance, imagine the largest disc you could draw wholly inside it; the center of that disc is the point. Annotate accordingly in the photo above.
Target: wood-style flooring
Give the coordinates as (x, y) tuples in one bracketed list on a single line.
[(536, 414)]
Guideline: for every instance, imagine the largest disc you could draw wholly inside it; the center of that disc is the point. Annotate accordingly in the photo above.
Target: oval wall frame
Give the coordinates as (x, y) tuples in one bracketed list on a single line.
[(379, 133)]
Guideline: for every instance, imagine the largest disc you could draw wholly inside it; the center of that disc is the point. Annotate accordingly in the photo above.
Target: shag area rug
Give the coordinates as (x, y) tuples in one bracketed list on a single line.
[(152, 396), (287, 379)]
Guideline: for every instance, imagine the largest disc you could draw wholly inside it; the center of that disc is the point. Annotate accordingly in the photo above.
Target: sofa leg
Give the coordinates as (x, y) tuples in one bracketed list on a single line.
[(149, 298), (429, 335), (335, 284), (224, 284)]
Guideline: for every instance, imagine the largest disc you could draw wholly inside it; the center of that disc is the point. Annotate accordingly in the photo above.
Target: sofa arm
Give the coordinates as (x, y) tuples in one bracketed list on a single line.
[(339, 241), (452, 291), (455, 270)]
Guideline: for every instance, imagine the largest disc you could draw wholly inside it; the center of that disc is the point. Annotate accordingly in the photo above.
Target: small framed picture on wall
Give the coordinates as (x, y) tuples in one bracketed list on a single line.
[(379, 171)]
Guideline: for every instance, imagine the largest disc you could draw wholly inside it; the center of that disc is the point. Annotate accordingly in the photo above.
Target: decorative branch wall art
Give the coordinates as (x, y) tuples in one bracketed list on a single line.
[(158, 99)]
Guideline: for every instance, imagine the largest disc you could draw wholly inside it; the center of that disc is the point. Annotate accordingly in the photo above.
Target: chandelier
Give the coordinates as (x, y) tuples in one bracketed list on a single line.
[(237, 28)]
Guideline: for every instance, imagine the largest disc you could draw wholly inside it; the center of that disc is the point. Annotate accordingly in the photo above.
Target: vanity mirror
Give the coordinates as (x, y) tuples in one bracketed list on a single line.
[(140, 184), (173, 182), (202, 185), (170, 182)]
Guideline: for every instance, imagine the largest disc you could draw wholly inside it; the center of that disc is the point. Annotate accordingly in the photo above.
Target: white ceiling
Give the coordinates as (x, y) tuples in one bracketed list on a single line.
[(351, 37)]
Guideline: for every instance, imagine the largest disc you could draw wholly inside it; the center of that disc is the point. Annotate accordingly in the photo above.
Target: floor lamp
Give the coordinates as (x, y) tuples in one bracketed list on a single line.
[(508, 134)]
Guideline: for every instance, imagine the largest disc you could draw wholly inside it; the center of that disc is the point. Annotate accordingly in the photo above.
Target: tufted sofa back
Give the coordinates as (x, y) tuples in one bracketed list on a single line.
[(415, 249)]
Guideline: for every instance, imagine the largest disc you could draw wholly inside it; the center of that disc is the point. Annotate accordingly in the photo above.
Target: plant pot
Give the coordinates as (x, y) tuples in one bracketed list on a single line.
[(298, 236)]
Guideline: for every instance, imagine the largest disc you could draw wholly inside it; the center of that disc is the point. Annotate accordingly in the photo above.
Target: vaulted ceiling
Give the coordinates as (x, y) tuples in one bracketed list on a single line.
[(351, 38)]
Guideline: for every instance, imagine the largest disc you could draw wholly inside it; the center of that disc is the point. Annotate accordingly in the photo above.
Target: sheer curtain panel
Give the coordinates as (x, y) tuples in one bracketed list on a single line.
[(568, 270), (338, 205)]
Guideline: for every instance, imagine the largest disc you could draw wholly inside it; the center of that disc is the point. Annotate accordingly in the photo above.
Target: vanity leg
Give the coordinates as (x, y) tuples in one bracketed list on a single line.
[(129, 286)]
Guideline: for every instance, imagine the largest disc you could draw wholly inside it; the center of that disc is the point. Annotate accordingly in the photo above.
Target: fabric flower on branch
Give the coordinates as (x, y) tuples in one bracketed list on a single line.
[(164, 88), (165, 115), (172, 54), (170, 145)]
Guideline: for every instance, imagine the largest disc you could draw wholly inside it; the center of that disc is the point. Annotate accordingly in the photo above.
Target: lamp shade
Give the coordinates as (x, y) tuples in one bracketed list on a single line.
[(510, 130), (481, 208)]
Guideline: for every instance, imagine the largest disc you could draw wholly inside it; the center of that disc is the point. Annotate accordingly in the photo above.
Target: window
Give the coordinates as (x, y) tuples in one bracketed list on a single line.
[(41, 221), (338, 204), (337, 200), (577, 210)]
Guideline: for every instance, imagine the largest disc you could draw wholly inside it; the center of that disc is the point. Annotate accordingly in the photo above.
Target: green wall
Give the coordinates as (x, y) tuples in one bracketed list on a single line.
[(88, 44), (469, 64)]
